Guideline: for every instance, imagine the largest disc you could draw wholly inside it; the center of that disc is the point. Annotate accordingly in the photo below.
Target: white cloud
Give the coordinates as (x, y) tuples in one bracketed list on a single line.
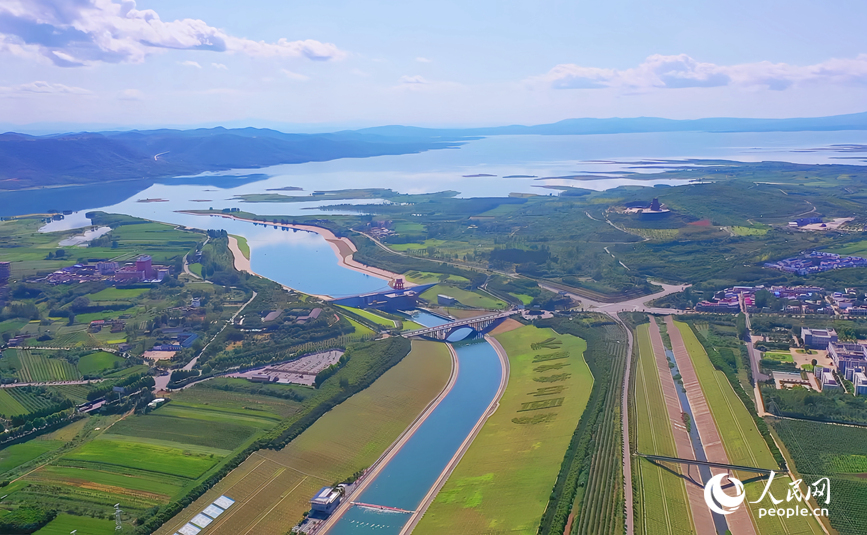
[(422, 60), (83, 32), (681, 71), (131, 94), (294, 75), (359, 72), (190, 64), (413, 80), (44, 88), (219, 66)]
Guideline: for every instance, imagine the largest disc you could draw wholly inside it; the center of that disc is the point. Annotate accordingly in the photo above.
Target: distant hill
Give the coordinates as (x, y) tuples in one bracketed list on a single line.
[(616, 125), (82, 158), (86, 158)]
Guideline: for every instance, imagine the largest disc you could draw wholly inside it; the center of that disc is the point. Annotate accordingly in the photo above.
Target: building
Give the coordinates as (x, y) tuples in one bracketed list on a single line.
[(860, 384), (848, 358), (106, 268), (326, 500), (818, 338), (446, 300), (826, 378)]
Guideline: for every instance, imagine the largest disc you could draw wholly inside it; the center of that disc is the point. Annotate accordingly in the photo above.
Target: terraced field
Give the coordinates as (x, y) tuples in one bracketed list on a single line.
[(505, 478), (272, 488)]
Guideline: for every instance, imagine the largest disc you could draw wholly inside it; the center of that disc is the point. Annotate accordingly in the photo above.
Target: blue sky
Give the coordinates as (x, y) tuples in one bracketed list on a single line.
[(443, 63)]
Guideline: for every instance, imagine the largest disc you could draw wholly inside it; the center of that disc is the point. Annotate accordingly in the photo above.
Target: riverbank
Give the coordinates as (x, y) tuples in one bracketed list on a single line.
[(417, 515), (343, 247), (242, 263), (383, 461)]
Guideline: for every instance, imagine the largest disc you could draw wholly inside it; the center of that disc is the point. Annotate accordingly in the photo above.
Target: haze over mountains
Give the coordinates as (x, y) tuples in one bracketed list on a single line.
[(83, 158)]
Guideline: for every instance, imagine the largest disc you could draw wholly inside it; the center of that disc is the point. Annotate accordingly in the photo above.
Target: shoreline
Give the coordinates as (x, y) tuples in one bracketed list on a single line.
[(343, 248)]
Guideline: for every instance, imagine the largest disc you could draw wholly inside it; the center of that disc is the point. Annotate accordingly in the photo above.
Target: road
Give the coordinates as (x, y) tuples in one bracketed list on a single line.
[(755, 359), (629, 521), (231, 320)]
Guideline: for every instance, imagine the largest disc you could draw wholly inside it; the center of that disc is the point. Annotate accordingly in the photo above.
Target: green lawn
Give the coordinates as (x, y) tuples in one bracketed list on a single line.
[(94, 363), (426, 277), (664, 502), (781, 356), (196, 268), (370, 315), (743, 443), (466, 297), (504, 481), (360, 330)]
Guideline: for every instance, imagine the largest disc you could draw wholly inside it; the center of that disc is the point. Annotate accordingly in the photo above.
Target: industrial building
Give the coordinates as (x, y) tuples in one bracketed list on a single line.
[(392, 300), (326, 500)]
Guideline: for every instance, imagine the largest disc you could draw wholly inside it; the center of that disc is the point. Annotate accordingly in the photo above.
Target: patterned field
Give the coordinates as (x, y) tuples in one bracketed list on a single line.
[(505, 478)]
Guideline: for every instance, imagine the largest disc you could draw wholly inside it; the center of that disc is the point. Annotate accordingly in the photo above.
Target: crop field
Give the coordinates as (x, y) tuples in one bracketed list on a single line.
[(505, 478), (94, 363), (661, 234), (147, 460), (64, 525), (117, 294), (105, 451), (17, 454), (15, 401), (360, 330), (743, 443), (9, 405), (837, 452), (757, 230), (852, 249), (272, 488), (426, 277), (466, 297), (664, 502), (35, 366)]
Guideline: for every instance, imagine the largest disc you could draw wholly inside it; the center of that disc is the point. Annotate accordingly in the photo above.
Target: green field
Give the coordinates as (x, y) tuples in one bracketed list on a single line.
[(117, 294), (664, 504), (743, 443), (504, 480), (36, 366), (148, 457), (426, 277), (94, 363), (370, 315), (18, 454), (780, 356), (466, 297), (64, 524), (345, 440), (196, 268)]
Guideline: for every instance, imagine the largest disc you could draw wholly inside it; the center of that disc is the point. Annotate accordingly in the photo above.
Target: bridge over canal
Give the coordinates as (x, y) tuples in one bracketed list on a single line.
[(480, 324)]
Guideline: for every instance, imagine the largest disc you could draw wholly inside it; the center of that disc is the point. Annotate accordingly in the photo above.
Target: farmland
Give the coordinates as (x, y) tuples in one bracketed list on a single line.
[(272, 488), (662, 497), (372, 316), (505, 477), (98, 361), (743, 443), (19, 454), (19, 401), (837, 452), (65, 524), (149, 459), (37, 366)]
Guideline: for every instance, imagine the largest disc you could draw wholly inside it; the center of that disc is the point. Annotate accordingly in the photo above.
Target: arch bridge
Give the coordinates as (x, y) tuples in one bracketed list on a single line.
[(480, 324)]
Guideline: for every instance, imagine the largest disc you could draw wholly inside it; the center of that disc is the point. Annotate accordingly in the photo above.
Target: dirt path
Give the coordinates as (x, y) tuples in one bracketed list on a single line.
[(739, 522), (701, 515)]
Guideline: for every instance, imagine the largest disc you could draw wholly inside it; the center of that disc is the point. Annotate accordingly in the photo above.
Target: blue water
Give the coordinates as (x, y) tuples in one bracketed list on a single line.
[(411, 473)]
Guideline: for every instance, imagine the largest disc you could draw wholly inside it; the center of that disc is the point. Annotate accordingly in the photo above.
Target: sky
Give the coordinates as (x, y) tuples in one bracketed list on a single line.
[(344, 64)]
